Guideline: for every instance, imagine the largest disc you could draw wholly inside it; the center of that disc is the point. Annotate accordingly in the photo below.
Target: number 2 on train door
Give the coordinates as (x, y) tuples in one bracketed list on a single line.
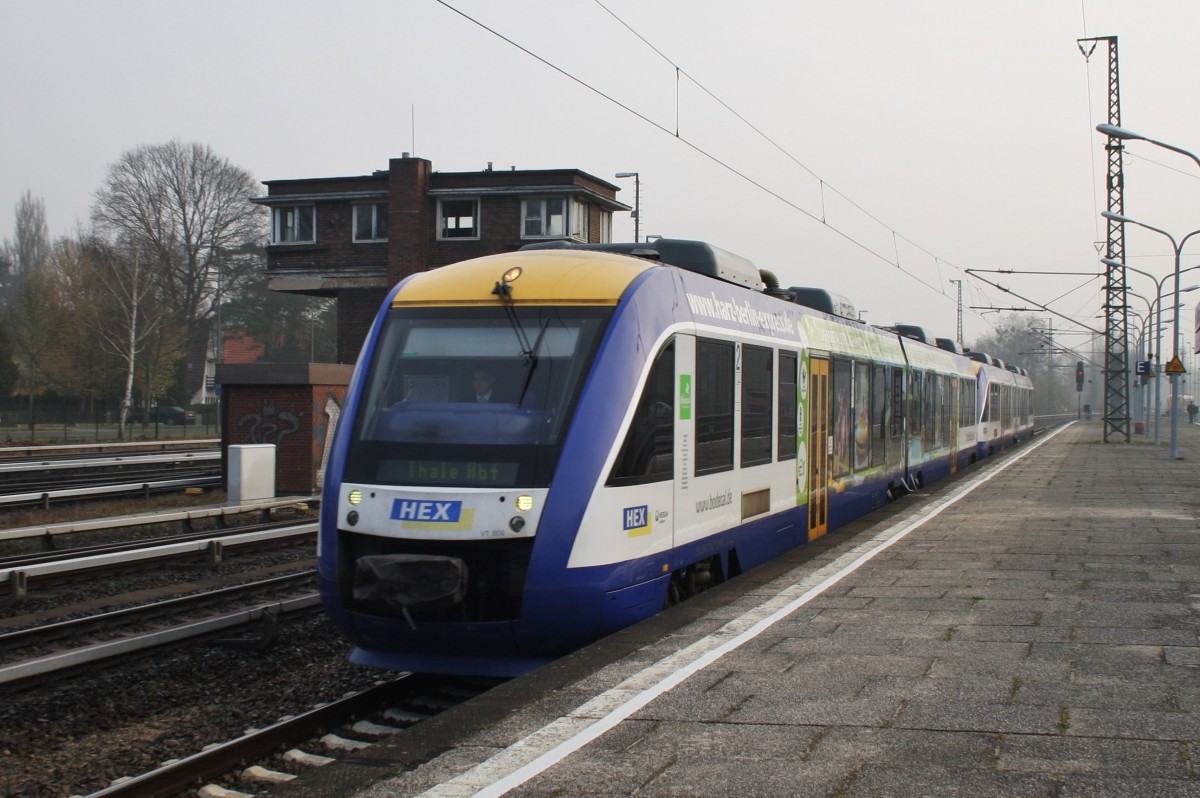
[(818, 447)]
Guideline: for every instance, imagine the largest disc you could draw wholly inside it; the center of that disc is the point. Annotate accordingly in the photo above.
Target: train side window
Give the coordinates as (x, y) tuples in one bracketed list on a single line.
[(917, 419), (714, 406), (787, 406), (880, 405), (861, 420), (757, 417), (949, 420), (842, 404), (897, 420), (933, 408), (648, 451)]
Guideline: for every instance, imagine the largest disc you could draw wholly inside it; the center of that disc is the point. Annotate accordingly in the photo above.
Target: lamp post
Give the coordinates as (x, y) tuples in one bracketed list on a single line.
[(1124, 134), (637, 203), (1140, 410), (1156, 327), (1177, 246)]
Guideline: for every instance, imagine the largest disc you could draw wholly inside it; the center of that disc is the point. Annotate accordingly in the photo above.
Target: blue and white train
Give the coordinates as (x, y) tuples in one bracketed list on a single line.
[(660, 417)]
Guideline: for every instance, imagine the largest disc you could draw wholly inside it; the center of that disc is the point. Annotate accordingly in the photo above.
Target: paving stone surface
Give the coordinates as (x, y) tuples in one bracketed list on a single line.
[(1041, 637)]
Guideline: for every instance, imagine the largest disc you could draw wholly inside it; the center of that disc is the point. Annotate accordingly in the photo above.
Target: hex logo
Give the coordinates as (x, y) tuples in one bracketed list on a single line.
[(433, 512), (637, 520)]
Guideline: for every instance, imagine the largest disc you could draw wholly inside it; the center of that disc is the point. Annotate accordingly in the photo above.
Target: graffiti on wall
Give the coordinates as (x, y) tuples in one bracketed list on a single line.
[(332, 411), (269, 426)]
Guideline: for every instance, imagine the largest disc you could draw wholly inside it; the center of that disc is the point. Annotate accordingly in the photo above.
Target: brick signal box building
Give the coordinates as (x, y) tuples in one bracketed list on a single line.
[(353, 238)]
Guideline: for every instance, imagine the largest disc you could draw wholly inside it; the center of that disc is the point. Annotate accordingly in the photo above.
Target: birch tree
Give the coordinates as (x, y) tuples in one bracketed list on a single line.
[(183, 206), (114, 300)]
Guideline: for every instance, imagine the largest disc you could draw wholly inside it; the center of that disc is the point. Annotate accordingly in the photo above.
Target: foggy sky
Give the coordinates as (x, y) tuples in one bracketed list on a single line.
[(898, 144)]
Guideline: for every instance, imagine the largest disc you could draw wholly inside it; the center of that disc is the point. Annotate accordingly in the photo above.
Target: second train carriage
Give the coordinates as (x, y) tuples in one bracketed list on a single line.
[(662, 423)]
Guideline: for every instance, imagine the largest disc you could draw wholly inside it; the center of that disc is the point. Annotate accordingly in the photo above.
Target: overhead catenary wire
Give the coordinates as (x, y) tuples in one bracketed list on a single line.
[(677, 135)]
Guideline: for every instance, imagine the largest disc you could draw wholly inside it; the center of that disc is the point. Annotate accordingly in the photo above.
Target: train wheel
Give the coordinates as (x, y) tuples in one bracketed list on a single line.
[(692, 579)]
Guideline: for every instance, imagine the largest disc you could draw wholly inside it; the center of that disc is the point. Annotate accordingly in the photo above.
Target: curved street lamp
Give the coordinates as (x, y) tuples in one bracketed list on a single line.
[(637, 203), (1155, 327), (1124, 134), (1177, 246)]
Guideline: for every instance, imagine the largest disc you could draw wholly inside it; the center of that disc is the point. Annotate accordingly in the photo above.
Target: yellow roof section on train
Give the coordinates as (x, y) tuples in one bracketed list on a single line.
[(556, 276)]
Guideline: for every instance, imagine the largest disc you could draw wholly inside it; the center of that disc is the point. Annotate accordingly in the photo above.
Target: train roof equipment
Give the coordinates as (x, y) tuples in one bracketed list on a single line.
[(822, 300), (910, 331), (695, 256), (950, 345)]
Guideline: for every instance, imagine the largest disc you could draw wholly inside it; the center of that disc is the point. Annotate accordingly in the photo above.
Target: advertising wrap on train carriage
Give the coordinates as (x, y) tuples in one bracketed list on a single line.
[(743, 313)]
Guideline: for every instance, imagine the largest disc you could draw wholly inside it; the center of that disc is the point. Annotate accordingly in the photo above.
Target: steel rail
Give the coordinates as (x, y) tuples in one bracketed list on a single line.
[(20, 466), (60, 629), (17, 561), (210, 543), (6, 451), (47, 496), (153, 517), (186, 773), (86, 655)]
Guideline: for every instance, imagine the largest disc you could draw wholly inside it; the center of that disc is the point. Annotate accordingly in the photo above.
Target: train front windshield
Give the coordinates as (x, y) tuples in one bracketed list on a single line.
[(471, 397)]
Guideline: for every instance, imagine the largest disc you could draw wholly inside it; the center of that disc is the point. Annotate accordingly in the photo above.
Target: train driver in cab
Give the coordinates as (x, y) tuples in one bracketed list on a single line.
[(483, 384)]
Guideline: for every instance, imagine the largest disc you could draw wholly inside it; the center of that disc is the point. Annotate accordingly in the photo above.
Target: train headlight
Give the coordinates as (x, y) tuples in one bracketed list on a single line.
[(355, 497), (512, 274), (524, 503)]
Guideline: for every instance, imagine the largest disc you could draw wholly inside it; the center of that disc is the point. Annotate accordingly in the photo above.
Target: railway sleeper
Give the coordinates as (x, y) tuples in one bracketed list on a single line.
[(18, 583)]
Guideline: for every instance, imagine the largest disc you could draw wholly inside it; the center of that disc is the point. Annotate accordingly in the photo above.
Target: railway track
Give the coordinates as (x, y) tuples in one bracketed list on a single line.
[(19, 572), (387, 708), (43, 480), (50, 649)]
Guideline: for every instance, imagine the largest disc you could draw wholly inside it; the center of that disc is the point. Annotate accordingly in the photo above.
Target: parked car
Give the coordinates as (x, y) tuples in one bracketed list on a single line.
[(163, 415)]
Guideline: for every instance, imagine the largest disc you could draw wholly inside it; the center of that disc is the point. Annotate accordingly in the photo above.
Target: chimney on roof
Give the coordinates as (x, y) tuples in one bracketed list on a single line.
[(489, 166)]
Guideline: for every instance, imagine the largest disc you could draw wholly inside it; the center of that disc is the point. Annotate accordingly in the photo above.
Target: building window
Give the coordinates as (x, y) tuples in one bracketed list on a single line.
[(544, 218), (579, 220), (605, 227), (293, 224), (370, 222), (458, 218)]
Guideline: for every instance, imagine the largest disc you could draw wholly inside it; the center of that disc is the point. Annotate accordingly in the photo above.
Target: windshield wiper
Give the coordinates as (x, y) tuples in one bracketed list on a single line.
[(532, 361)]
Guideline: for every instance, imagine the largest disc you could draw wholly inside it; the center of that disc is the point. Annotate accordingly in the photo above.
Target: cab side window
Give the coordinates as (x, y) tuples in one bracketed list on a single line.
[(648, 451)]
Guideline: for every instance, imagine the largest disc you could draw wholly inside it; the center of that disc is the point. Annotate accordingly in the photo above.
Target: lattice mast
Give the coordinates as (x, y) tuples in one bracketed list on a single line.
[(1116, 317)]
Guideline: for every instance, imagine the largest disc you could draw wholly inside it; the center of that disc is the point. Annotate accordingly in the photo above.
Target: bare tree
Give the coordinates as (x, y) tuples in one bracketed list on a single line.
[(36, 336), (182, 205), (29, 248), (112, 296)]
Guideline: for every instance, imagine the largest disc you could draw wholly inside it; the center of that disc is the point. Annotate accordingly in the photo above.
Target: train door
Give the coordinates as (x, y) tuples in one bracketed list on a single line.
[(818, 447)]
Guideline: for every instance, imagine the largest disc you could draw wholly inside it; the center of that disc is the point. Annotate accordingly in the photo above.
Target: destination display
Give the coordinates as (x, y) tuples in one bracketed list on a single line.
[(457, 473)]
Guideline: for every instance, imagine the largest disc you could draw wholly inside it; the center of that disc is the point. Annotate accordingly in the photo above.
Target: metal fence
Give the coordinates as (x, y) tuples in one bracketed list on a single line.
[(54, 419)]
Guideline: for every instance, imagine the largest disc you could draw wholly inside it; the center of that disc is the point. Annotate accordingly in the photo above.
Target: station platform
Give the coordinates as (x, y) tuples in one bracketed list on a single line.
[(1030, 627)]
